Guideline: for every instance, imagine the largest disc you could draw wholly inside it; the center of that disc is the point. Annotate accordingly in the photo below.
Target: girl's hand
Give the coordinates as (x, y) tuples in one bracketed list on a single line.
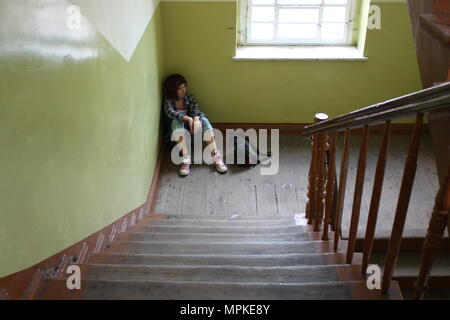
[(197, 127), (190, 121)]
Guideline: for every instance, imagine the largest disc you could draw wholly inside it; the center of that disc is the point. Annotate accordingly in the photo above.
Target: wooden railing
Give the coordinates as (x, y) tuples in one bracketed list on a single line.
[(322, 178)]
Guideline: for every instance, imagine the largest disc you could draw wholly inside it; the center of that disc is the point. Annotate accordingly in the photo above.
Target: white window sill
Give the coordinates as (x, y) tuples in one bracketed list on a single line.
[(339, 53)]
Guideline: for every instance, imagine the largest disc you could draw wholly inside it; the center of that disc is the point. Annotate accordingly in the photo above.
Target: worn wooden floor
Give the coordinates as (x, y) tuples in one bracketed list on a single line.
[(246, 192)]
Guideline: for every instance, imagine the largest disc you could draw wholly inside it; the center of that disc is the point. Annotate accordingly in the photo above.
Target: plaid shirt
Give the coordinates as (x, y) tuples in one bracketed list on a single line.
[(189, 103)]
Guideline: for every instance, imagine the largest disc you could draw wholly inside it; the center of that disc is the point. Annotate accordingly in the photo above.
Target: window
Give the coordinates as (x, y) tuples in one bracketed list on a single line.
[(297, 22)]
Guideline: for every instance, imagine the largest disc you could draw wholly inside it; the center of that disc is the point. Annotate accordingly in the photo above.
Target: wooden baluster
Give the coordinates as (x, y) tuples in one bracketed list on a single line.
[(359, 184), (376, 196), (321, 176), (314, 172), (436, 229), (409, 173), (341, 190), (311, 184), (335, 200), (331, 174)]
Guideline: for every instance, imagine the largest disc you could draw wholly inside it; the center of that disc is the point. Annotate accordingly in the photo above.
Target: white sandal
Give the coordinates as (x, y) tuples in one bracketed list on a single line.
[(185, 167), (218, 162)]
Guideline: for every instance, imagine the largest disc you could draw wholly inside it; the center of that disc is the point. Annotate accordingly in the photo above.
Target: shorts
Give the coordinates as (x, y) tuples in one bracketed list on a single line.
[(180, 125)]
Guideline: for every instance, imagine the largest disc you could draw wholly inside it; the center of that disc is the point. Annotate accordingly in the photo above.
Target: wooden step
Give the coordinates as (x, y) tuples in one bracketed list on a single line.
[(220, 237), (215, 259), (255, 218), (152, 290), (222, 229), (164, 247), (223, 274), (222, 223)]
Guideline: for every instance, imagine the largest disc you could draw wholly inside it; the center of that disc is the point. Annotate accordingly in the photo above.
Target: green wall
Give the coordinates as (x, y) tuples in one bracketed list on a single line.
[(199, 42), (78, 129)]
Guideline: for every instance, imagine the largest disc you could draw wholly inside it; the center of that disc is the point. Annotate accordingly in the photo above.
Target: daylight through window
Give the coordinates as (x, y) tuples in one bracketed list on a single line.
[(298, 22)]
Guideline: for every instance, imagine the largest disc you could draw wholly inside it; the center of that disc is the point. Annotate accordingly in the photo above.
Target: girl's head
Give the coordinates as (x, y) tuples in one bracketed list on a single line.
[(175, 87)]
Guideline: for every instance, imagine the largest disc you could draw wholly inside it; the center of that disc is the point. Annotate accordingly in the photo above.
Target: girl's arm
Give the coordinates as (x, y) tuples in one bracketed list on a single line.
[(193, 105), (172, 112)]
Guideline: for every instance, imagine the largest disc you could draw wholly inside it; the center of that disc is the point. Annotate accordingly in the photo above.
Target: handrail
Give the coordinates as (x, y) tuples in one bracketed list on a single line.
[(423, 101), (322, 196)]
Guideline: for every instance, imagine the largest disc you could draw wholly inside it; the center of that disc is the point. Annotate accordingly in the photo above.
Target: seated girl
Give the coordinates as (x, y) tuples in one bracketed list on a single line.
[(182, 113)]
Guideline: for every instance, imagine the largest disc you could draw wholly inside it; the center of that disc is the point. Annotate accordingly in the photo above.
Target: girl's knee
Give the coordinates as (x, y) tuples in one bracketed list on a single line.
[(209, 136), (206, 125)]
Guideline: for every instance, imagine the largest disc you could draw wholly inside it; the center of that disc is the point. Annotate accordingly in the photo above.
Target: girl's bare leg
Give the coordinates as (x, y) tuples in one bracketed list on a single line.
[(185, 166), (211, 141), (218, 160), (183, 146)]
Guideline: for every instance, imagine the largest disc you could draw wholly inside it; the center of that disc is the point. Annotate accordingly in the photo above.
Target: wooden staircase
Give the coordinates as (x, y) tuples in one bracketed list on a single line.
[(223, 258), (430, 20)]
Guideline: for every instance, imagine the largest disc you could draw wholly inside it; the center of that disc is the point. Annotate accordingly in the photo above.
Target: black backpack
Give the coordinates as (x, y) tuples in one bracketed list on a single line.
[(252, 155)]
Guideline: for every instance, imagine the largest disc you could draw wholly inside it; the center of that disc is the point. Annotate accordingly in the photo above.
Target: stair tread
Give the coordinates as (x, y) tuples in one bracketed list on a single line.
[(237, 243), (222, 229), (160, 268), (241, 274), (220, 237), (229, 259), (230, 218), (220, 223), (177, 290), (220, 247)]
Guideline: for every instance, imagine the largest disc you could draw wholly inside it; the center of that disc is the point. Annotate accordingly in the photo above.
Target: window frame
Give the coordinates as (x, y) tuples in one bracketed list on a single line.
[(245, 27)]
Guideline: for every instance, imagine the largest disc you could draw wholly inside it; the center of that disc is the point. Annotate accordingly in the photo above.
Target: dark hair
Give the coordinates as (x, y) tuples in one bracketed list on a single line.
[(171, 85)]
